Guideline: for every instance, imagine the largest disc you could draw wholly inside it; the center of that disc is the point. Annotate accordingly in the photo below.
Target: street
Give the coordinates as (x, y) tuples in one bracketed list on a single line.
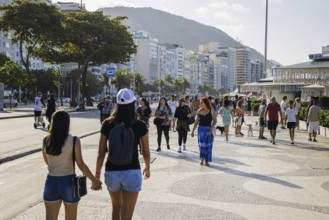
[(248, 178)]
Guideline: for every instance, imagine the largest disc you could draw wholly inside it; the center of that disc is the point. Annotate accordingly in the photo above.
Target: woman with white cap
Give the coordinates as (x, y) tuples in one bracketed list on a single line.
[(123, 180)]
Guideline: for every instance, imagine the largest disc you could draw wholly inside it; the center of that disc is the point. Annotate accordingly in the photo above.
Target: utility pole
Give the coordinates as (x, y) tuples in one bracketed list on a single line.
[(266, 19)]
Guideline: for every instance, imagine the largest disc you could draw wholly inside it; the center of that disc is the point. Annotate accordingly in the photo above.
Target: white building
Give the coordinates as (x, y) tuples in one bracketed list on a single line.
[(243, 66)]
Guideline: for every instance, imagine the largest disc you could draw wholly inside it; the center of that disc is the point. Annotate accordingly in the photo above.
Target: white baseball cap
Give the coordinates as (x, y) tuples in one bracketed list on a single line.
[(125, 96)]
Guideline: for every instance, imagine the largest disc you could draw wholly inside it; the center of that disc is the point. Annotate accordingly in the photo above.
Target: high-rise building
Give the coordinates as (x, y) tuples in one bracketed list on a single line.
[(243, 66)]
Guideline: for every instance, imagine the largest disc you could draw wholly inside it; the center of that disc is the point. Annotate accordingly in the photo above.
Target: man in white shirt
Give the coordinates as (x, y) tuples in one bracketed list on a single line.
[(38, 103), (173, 105), (283, 110)]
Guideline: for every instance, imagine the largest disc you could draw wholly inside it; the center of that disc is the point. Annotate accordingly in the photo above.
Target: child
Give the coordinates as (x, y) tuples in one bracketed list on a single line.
[(291, 118)]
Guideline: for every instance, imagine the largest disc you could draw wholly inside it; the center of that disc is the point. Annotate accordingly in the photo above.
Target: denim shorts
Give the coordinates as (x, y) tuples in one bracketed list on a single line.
[(128, 180), (58, 188)]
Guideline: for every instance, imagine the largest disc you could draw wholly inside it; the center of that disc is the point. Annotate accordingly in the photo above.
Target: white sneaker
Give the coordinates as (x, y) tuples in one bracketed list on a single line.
[(180, 149), (184, 147)]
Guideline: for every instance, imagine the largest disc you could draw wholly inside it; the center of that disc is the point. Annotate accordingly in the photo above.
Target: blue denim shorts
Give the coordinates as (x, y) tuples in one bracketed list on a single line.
[(128, 180), (59, 188)]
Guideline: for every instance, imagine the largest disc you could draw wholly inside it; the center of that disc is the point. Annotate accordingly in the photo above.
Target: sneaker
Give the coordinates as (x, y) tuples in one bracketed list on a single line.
[(168, 147), (159, 149), (179, 149), (184, 147)]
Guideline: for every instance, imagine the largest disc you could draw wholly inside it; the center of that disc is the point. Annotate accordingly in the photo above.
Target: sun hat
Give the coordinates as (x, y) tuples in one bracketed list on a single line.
[(125, 96)]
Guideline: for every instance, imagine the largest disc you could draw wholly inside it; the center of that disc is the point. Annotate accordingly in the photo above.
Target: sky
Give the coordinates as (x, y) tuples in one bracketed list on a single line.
[(296, 28)]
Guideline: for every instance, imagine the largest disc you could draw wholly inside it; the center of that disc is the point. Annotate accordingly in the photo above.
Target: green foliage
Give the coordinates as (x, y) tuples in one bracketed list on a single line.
[(139, 84), (122, 79), (324, 118), (255, 105), (11, 74), (32, 25), (181, 84)]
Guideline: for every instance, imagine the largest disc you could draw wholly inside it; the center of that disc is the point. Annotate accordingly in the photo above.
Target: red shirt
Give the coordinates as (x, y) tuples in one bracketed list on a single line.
[(273, 111)]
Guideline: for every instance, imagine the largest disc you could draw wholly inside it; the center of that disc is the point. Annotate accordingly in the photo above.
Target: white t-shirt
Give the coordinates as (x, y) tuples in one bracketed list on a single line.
[(37, 104), (291, 114), (173, 105), (283, 106)]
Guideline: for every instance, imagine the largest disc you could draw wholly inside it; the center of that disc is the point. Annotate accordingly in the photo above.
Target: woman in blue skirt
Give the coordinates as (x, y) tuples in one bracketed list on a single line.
[(206, 121)]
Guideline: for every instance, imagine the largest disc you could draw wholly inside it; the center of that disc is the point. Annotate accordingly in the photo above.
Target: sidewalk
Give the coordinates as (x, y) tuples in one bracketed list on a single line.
[(248, 179), (27, 111)]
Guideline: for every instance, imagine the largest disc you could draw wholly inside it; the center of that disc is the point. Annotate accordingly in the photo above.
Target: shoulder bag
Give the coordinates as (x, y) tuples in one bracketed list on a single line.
[(79, 182)]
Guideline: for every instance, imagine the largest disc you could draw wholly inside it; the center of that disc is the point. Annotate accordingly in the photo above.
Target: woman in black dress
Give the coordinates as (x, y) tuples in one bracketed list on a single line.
[(144, 112)]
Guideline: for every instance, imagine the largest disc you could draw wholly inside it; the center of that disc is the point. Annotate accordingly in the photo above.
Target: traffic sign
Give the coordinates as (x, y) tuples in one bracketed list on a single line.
[(110, 72)]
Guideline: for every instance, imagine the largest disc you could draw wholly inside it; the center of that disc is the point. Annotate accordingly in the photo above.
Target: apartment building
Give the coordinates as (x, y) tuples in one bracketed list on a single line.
[(243, 66)]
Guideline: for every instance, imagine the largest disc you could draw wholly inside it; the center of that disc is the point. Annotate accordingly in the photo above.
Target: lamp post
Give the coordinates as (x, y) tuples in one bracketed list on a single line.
[(266, 19)]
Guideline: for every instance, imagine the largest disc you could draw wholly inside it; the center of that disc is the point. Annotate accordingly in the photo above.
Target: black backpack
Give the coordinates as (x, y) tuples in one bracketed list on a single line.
[(121, 144)]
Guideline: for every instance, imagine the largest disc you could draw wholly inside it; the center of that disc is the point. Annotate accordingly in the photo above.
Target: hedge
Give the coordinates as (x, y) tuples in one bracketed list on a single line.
[(255, 105)]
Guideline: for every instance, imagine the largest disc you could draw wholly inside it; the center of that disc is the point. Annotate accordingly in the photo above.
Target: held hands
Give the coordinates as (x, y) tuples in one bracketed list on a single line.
[(96, 184), (192, 134)]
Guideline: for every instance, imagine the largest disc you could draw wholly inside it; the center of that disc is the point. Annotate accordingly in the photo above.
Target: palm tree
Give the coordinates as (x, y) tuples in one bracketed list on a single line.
[(139, 83), (122, 79)]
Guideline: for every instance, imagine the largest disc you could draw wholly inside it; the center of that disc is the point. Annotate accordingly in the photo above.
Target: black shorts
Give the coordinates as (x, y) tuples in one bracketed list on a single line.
[(37, 113), (272, 125), (291, 125), (262, 122)]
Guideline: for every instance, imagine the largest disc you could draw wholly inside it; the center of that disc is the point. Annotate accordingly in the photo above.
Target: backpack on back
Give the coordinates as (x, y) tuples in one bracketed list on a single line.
[(121, 144)]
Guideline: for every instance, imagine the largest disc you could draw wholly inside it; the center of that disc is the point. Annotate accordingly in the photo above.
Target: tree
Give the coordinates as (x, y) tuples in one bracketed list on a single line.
[(31, 25), (204, 89), (122, 79), (181, 84), (91, 37), (11, 74), (139, 84)]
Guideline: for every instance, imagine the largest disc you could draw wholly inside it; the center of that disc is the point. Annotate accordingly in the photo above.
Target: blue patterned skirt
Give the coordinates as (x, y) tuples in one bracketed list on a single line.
[(205, 139)]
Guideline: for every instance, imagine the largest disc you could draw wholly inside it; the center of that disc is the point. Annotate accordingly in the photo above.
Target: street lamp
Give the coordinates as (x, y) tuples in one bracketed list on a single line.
[(266, 19)]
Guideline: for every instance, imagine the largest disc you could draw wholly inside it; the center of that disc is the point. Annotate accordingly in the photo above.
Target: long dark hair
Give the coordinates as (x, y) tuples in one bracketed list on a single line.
[(58, 132), (124, 113), (147, 104), (51, 100), (226, 103), (166, 104)]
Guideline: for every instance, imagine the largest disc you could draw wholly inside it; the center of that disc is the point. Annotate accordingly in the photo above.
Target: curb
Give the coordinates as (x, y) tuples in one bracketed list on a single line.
[(37, 149)]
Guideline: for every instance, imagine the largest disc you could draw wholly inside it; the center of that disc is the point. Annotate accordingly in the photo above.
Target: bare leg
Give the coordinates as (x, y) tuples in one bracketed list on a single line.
[(116, 198), (71, 211), (274, 134), (52, 210), (129, 202), (314, 136), (292, 134), (226, 129)]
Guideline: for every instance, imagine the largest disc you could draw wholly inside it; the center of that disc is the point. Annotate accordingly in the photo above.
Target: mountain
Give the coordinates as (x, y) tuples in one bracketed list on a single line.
[(169, 28)]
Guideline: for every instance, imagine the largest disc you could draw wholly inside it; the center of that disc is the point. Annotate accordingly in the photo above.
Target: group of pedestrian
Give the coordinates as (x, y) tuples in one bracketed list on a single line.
[(126, 126)]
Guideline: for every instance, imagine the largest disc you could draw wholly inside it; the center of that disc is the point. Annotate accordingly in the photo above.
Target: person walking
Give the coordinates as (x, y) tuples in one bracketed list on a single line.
[(262, 119), (123, 181), (298, 107), (273, 111), (182, 114), (57, 151), (144, 112), (51, 108), (226, 111), (195, 105), (283, 110), (205, 121), (38, 104), (313, 120), (291, 118), (173, 105), (164, 113), (238, 119)]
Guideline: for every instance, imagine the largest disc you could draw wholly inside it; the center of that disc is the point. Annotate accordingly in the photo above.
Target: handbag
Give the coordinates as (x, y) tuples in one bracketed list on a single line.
[(79, 182), (157, 121), (190, 120)]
